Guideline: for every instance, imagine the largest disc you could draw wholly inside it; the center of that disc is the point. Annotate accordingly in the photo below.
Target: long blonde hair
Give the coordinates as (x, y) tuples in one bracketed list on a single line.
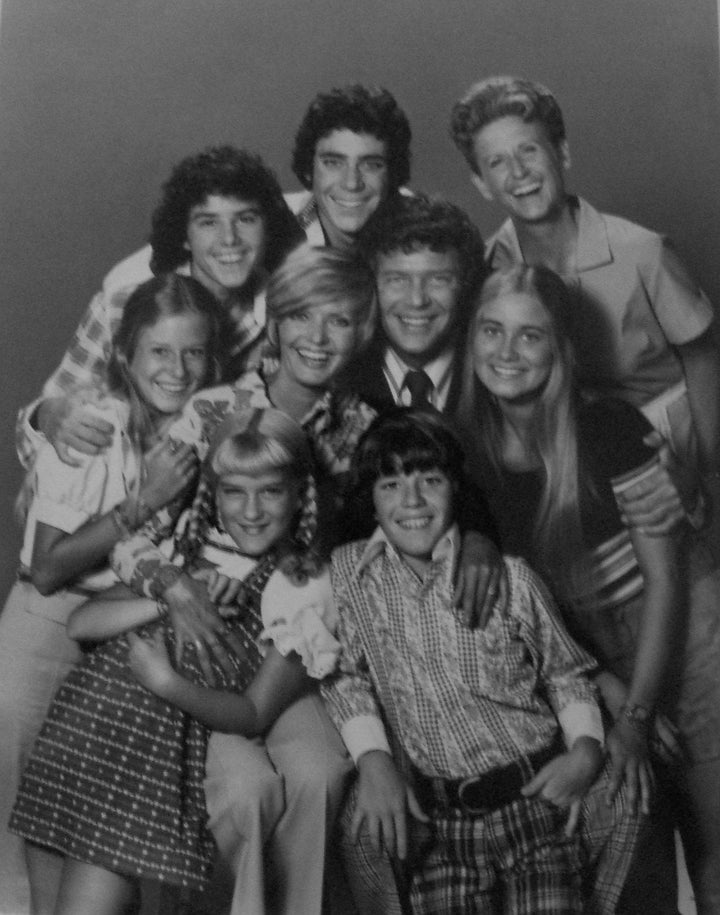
[(557, 533)]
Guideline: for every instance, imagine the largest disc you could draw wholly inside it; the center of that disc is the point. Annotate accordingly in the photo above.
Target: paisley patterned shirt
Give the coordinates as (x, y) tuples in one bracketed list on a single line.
[(458, 701)]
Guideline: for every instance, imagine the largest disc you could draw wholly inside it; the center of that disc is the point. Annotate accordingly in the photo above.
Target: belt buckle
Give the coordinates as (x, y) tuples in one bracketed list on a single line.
[(466, 785)]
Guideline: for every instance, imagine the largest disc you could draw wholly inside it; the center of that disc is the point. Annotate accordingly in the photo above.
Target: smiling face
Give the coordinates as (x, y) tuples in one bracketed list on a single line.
[(170, 361), (414, 510), (418, 299), (513, 351), (226, 241), (317, 342), (521, 169), (349, 181), (257, 509)]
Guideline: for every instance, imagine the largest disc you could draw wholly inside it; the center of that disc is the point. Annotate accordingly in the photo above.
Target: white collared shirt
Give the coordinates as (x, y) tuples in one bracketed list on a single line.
[(439, 371)]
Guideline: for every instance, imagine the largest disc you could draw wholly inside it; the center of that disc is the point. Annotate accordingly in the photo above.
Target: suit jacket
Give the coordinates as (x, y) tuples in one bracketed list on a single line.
[(365, 376)]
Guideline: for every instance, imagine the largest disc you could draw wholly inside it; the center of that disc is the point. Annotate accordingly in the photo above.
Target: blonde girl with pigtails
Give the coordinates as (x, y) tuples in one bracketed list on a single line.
[(132, 726)]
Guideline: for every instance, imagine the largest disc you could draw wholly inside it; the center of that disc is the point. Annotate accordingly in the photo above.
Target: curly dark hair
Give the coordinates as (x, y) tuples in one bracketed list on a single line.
[(362, 109), (498, 97), (227, 172), (420, 221)]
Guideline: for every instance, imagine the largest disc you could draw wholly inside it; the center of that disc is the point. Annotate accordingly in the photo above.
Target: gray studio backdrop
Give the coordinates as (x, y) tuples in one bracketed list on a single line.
[(98, 100)]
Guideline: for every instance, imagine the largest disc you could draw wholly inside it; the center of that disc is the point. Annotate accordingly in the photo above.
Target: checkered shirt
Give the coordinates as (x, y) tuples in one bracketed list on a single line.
[(459, 701)]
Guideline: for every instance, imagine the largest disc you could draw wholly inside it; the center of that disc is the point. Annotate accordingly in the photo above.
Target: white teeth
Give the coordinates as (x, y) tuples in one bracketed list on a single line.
[(348, 204), (313, 356), (172, 389), (509, 373), (525, 191), (414, 322), (413, 524)]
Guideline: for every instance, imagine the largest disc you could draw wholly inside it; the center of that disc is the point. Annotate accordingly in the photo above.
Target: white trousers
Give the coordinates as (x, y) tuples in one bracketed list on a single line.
[(35, 657), (272, 806)]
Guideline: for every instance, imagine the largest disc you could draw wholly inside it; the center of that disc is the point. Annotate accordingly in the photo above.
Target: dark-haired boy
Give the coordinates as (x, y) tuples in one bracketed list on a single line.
[(481, 715)]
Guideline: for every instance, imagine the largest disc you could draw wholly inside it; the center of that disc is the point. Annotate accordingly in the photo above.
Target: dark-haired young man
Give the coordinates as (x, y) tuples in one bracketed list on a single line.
[(352, 153), (427, 258)]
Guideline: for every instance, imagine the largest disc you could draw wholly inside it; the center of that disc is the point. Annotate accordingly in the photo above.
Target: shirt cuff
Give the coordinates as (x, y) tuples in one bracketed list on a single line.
[(581, 719), (362, 734)]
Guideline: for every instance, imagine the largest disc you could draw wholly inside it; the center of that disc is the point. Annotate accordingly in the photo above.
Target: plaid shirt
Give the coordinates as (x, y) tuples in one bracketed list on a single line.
[(459, 701), (85, 360), (333, 427)]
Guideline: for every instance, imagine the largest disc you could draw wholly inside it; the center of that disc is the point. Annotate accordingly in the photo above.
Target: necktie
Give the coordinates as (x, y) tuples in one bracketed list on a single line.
[(420, 386)]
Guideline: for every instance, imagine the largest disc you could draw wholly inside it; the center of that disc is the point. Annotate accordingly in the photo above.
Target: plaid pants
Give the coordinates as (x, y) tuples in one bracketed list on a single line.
[(515, 860), (608, 836)]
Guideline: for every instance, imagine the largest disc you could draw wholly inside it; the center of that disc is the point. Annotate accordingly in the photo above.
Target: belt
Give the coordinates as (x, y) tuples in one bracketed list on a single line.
[(479, 795)]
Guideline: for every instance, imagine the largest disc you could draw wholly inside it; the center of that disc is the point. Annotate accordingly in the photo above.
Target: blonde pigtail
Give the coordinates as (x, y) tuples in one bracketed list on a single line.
[(308, 521)]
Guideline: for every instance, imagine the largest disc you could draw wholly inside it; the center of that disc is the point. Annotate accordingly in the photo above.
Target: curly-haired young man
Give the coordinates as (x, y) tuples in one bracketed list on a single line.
[(352, 154)]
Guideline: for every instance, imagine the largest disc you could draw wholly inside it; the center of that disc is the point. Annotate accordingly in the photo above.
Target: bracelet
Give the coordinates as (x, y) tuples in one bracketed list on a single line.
[(637, 716)]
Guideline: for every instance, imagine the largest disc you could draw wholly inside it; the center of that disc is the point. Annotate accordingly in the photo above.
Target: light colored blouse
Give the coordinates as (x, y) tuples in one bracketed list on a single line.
[(296, 617), (67, 497)]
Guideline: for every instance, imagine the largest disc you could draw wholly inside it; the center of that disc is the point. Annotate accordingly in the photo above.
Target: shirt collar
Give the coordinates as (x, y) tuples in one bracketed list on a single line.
[(446, 549), (259, 310), (438, 371), (308, 212), (593, 246), (319, 415), (309, 218)]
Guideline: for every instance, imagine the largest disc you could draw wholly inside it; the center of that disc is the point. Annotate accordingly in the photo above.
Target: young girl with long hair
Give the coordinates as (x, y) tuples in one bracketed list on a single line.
[(553, 466), (134, 805), (163, 352)]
